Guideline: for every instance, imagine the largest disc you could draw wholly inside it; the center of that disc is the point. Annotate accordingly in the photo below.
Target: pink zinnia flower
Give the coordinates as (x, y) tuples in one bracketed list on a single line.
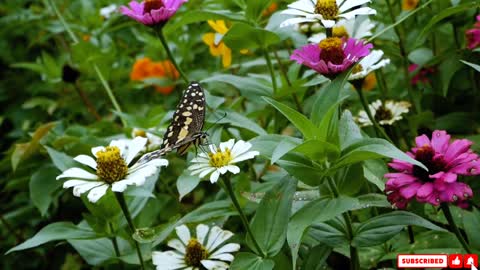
[(445, 161), (473, 35), (332, 55), (152, 12), (421, 76)]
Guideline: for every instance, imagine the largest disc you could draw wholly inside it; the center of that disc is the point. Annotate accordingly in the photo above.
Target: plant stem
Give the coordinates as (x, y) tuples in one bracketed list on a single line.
[(448, 215), (115, 244), (97, 70), (87, 102), (170, 55), (403, 52), (285, 75), (369, 114), (131, 226), (272, 72), (354, 260), (231, 193)]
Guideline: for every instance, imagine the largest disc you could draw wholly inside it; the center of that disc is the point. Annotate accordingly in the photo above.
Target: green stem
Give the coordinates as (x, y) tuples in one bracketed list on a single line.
[(170, 55), (131, 226), (364, 102), (272, 72), (403, 52), (109, 92), (448, 215), (285, 75), (354, 260), (231, 193), (115, 243), (97, 70)]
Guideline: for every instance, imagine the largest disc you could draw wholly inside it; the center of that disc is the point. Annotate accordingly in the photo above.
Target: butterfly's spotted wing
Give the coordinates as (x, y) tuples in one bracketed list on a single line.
[(186, 125)]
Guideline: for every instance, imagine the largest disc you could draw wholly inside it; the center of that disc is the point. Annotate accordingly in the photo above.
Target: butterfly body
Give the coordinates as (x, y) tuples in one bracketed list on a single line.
[(186, 125)]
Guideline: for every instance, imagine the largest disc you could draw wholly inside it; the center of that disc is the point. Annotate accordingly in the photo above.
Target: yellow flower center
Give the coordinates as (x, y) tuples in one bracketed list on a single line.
[(327, 8), (111, 167), (195, 253), (152, 5), (220, 158), (332, 50), (339, 31)]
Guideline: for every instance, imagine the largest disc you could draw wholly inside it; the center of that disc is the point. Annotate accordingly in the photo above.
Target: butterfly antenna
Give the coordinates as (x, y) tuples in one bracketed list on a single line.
[(216, 122)]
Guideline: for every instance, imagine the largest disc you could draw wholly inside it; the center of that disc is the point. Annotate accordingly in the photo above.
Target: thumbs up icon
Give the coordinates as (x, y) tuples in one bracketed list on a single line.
[(455, 261)]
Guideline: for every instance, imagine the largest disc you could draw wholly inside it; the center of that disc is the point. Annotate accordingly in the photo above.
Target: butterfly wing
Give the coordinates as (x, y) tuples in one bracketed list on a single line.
[(187, 120)]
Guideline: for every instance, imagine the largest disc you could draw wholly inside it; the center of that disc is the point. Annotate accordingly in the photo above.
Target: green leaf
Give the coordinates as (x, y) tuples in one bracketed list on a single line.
[(381, 228), (42, 185), (250, 261), (444, 14), (283, 148), (186, 183), (267, 144), (257, 37), (317, 211), (201, 16), (53, 232), (61, 160), (255, 9), (304, 125), (420, 56), (269, 225), (318, 150), (472, 65), (471, 224), (94, 251), (447, 70), (329, 125), (328, 96), (348, 130), (238, 120), (373, 171), (247, 86), (317, 257), (372, 148)]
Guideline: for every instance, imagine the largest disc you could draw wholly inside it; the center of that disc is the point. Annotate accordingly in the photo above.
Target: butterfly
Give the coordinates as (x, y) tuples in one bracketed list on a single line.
[(186, 126)]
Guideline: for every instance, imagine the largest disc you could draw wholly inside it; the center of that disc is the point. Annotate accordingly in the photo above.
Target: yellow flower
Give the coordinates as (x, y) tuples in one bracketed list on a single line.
[(409, 4), (214, 41)]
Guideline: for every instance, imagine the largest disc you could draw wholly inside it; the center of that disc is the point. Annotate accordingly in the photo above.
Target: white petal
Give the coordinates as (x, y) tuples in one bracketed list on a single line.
[(202, 231), (222, 170), (350, 4), (295, 12), (223, 257), (198, 166), (77, 182), (217, 236), (168, 260), (178, 245), (183, 233), (134, 147), (214, 265), (77, 173), (78, 190), (214, 176), (228, 248), (245, 156), (86, 160), (240, 147), (316, 38), (205, 172), (294, 21), (359, 11), (96, 193), (228, 144), (122, 145), (233, 169), (328, 23), (97, 149), (305, 5)]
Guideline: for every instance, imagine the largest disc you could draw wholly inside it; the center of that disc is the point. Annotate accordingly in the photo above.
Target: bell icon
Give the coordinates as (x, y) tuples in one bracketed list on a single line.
[(470, 261)]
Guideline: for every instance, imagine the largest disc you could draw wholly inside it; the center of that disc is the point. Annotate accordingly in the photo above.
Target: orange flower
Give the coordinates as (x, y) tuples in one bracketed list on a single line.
[(145, 68), (270, 9), (409, 4), (369, 82)]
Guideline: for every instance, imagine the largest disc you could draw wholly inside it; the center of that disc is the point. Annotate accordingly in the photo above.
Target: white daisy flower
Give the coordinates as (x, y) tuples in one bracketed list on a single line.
[(112, 168), (194, 253), (384, 114), (369, 63), (154, 142), (355, 28), (107, 11), (222, 159), (328, 12)]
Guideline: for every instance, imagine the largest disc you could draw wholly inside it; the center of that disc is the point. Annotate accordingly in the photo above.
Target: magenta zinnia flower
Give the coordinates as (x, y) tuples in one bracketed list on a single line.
[(422, 76), (332, 55), (152, 12), (445, 161), (473, 35)]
